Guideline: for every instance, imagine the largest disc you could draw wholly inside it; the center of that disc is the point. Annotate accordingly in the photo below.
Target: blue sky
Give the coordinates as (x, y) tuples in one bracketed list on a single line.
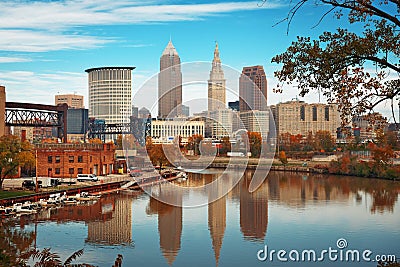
[(45, 46)]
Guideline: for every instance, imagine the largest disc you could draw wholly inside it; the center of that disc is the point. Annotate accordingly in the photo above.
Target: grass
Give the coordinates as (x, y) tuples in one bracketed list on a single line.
[(7, 194)]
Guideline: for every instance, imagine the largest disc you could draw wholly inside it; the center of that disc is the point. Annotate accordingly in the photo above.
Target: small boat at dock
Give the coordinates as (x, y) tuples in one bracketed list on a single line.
[(85, 196)]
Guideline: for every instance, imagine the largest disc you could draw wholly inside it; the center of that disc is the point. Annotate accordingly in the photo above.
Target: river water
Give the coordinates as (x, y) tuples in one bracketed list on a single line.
[(296, 213)]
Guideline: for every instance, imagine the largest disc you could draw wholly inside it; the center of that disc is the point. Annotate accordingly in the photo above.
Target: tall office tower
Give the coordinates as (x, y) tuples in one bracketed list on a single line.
[(253, 89), (110, 93), (216, 84), (72, 100), (169, 83)]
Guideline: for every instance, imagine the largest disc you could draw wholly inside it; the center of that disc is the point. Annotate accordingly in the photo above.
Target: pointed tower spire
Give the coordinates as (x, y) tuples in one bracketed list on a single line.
[(216, 54), (216, 83)]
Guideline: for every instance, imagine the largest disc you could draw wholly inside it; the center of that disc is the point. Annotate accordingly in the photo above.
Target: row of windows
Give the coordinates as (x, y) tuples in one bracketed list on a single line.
[(110, 75), (71, 159), (70, 170)]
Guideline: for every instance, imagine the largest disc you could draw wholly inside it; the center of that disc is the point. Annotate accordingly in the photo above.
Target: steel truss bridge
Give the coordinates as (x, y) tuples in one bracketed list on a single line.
[(138, 127), (37, 115)]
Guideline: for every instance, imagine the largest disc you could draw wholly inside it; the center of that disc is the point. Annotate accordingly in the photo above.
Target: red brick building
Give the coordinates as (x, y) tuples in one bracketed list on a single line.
[(69, 160)]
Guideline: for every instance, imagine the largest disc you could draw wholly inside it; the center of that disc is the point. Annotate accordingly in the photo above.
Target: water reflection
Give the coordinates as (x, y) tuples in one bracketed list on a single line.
[(117, 228), (217, 217), (253, 210), (169, 222), (109, 221)]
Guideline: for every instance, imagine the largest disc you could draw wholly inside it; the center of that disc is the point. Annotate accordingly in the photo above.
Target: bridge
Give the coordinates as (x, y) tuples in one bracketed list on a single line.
[(140, 128), (32, 115)]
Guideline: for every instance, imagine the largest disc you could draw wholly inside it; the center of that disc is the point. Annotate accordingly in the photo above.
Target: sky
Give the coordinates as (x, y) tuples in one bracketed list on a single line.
[(46, 45)]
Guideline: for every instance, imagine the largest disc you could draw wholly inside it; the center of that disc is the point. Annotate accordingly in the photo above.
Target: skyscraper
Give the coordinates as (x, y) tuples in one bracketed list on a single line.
[(216, 84), (253, 89), (110, 93), (169, 83)]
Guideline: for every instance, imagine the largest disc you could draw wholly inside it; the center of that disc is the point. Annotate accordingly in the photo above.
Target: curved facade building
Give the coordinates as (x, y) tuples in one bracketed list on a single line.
[(110, 93)]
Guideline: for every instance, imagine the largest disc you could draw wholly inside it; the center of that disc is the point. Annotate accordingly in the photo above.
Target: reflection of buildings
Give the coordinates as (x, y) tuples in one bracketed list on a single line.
[(117, 230), (217, 222), (296, 190), (253, 210), (169, 224), (80, 213)]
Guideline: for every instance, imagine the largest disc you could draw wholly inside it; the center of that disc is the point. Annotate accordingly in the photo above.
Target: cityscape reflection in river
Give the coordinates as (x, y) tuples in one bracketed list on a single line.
[(288, 209)]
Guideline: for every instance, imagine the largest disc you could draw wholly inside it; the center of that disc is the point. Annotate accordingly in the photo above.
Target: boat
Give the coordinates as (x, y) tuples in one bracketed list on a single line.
[(48, 203), (71, 200), (6, 211), (23, 208), (85, 196)]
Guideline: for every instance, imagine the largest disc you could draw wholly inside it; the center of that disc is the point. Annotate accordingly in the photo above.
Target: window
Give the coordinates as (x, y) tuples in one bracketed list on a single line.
[(326, 113), (80, 159), (49, 159), (57, 170), (80, 170), (71, 159), (314, 113), (90, 158), (57, 159), (302, 113), (71, 170)]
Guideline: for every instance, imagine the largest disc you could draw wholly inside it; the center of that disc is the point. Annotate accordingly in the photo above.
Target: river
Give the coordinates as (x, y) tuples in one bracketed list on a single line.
[(296, 214)]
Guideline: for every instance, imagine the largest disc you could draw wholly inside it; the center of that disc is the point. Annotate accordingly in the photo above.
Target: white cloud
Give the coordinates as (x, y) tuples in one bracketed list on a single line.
[(14, 59), (41, 41), (71, 13), (42, 86), (36, 26)]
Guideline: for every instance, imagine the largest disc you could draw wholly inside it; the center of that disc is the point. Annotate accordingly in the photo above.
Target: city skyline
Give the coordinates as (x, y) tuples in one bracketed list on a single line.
[(47, 54)]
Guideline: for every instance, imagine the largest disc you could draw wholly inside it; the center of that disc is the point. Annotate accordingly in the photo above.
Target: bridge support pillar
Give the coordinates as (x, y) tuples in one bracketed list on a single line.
[(2, 110)]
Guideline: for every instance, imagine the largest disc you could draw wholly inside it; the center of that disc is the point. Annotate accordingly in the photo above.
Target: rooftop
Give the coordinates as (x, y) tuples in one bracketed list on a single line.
[(109, 68)]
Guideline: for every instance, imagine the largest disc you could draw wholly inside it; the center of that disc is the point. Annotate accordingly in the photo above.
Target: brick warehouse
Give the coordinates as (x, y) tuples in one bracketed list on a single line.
[(68, 160)]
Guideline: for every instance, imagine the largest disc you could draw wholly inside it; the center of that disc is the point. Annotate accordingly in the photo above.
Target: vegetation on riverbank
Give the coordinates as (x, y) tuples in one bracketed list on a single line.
[(349, 165), (7, 194)]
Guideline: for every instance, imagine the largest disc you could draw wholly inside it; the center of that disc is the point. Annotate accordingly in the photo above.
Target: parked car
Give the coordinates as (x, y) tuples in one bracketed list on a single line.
[(87, 177), (29, 184)]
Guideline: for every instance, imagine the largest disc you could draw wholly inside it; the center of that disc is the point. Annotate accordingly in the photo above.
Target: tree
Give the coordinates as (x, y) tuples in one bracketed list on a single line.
[(157, 155), (95, 141), (194, 143), (323, 140), (13, 154), (255, 141), (225, 146), (382, 155), (282, 157), (127, 141), (338, 63), (15, 244)]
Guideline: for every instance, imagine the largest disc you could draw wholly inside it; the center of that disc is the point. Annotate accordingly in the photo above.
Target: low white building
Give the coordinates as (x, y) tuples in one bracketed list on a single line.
[(167, 130)]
